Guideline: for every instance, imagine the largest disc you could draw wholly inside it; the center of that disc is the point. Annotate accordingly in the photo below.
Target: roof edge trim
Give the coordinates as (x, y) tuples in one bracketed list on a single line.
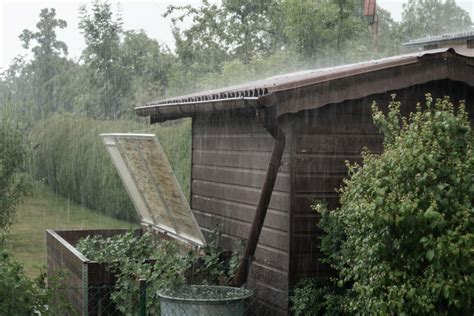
[(186, 109)]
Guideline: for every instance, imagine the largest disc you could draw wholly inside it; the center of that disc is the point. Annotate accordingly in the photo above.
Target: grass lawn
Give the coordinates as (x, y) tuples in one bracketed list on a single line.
[(43, 209)]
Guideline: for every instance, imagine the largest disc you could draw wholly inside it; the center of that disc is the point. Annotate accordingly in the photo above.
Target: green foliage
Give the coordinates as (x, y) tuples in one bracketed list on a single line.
[(162, 263), (17, 292), (318, 296), (107, 77), (48, 45), (215, 266), (421, 18), (236, 72), (131, 258), (239, 29), (20, 295), (39, 75), (12, 154), (307, 298), (71, 158), (323, 28), (148, 67), (121, 69), (402, 240)]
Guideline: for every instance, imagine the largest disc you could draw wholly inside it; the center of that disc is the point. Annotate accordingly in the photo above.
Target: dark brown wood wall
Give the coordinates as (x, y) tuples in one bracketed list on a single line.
[(322, 140), (229, 159), (62, 259)]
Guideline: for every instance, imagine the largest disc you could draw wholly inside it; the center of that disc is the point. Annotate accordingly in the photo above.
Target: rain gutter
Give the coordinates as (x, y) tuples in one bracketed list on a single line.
[(267, 117), (163, 112)]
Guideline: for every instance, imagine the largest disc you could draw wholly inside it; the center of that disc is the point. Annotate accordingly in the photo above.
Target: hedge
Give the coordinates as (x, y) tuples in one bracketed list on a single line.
[(69, 155)]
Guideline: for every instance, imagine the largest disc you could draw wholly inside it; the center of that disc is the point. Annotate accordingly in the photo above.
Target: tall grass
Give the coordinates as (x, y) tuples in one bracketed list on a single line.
[(68, 154)]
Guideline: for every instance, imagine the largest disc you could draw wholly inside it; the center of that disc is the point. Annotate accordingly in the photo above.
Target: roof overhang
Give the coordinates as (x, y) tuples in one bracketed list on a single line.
[(312, 89), (167, 111), (467, 35)]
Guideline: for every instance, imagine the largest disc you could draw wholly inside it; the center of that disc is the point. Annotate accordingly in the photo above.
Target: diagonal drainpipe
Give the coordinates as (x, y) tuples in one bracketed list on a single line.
[(268, 119)]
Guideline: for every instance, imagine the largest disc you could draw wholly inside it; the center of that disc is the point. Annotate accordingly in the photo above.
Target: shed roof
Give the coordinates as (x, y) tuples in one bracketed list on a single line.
[(466, 35), (309, 89)]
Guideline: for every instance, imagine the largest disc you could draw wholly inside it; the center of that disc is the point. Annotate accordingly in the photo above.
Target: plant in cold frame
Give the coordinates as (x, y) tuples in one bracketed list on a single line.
[(402, 240)]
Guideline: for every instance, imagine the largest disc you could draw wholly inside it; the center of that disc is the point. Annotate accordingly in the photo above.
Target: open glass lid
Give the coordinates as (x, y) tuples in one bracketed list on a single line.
[(152, 186)]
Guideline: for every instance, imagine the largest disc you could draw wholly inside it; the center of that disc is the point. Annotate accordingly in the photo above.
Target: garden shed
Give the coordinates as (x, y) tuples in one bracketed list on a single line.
[(301, 128)]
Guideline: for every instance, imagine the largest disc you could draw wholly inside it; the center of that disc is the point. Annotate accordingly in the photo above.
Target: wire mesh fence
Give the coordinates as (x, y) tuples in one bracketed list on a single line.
[(100, 301)]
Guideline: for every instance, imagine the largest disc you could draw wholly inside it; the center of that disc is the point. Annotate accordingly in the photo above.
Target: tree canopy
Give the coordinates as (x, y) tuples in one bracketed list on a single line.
[(423, 18), (120, 69)]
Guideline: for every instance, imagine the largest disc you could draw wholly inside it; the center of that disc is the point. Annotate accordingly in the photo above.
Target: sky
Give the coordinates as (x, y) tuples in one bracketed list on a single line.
[(17, 15)]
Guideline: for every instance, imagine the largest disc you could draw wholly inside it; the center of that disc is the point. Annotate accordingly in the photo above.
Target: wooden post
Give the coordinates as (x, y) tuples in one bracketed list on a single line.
[(142, 309)]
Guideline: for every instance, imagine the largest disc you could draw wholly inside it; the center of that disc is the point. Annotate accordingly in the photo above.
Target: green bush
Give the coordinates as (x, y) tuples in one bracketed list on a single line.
[(69, 155), (127, 256), (317, 296), (402, 240), (12, 155), (308, 297), (161, 263), (20, 295)]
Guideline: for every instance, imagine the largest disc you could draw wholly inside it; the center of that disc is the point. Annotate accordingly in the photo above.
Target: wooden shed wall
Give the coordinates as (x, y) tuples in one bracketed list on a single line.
[(322, 140), (229, 159)]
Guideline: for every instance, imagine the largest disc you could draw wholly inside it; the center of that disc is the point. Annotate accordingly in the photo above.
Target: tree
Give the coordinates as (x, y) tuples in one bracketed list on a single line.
[(235, 29), (48, 45), (327, 31), (389, 37), (107, 78), (49, 60), (148, 67), (402, 239), (421, 18)]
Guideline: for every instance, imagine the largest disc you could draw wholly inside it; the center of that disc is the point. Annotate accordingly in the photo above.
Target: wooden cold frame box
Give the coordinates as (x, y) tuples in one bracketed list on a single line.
[(83, 277), (160, 204)]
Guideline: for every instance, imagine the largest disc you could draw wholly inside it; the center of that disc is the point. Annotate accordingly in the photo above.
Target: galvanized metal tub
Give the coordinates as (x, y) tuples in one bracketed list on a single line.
[(205, 300)]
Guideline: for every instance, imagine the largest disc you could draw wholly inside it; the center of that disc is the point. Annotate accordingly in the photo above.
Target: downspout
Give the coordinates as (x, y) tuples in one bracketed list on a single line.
[(268, 119)]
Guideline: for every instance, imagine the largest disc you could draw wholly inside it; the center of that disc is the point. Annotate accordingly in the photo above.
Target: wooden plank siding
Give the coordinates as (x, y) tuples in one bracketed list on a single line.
[(60, 259), (230, 156), (323, 140)]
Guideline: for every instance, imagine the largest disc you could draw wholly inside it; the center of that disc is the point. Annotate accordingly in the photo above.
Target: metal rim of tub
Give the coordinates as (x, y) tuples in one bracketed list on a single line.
[(193, 292)]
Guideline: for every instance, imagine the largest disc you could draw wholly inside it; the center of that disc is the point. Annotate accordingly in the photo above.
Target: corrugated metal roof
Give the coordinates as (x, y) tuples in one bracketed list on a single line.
[(441, 38), (251, 93)]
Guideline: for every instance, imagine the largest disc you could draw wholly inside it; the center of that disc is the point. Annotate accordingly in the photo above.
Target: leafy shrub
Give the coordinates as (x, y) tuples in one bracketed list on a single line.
[(213, 265), (20, 295), (71, 158), (12, 154), (162, 263), (402, 240), (308, 297), (128, 257), (317, 296)]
